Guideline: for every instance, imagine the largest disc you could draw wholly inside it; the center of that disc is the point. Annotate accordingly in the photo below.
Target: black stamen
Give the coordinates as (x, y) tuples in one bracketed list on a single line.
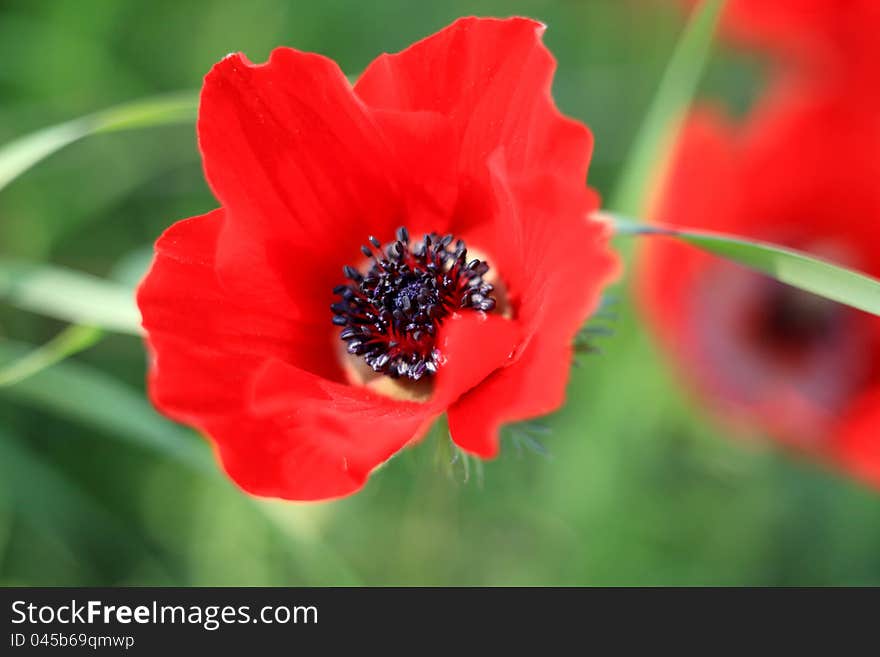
[(390, 314)]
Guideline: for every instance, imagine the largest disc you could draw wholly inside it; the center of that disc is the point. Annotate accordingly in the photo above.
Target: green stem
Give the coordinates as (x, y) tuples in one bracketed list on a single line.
[(70, 341), (665, 115), (19, 155), (790, 266)]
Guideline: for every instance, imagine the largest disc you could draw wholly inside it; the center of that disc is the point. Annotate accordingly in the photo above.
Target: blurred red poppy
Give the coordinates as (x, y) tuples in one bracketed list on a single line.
[(802, 172), (827, 39), (307, 326)]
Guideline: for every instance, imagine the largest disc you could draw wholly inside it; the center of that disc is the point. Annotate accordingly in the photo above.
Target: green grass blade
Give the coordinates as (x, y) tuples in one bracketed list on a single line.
[(168, 109), (89, 397), (664, 118), (74, 339), (21, 154), (793, 267), (55, 505), (70, 341), (69, 295)]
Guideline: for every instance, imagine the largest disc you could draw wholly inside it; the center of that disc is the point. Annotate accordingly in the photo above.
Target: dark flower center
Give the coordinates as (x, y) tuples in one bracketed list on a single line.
[(790, 322), (391, 313), (769, 350)]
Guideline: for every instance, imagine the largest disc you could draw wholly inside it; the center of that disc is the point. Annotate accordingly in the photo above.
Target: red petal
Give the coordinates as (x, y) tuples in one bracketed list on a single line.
[(857, 444), (306, 172), (183, 302), (422, 145), (533, 386), (473, 345), (801, 138), (561, 261), (206, 346), (827, 38), (353, 428), (290, 151), (492, 78), (266, 458), (328, 436)]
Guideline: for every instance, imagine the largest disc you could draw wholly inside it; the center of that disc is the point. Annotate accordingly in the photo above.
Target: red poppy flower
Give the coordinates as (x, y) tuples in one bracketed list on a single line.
[(804, 173), (307, 326)]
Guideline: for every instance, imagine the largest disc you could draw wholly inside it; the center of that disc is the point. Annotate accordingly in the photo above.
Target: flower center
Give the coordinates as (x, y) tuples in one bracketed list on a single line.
[(390, 311), (790, 323)]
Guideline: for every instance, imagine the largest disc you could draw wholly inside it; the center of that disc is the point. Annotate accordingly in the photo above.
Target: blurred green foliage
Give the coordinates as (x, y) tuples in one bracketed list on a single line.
[(639, 488)]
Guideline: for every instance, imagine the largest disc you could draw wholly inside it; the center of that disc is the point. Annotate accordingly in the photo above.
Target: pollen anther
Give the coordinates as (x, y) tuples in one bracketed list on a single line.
[(390, 311)]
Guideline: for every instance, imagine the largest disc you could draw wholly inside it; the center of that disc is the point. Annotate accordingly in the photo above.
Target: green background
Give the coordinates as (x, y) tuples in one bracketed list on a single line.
[(640, 487)]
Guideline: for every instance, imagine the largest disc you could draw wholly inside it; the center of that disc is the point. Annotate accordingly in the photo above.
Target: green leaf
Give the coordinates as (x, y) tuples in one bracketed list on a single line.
[(21, 154), (70, 341), (74, 339), (87, 396), (664, 118), (793, 267), (46, 499), (69, 295)]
